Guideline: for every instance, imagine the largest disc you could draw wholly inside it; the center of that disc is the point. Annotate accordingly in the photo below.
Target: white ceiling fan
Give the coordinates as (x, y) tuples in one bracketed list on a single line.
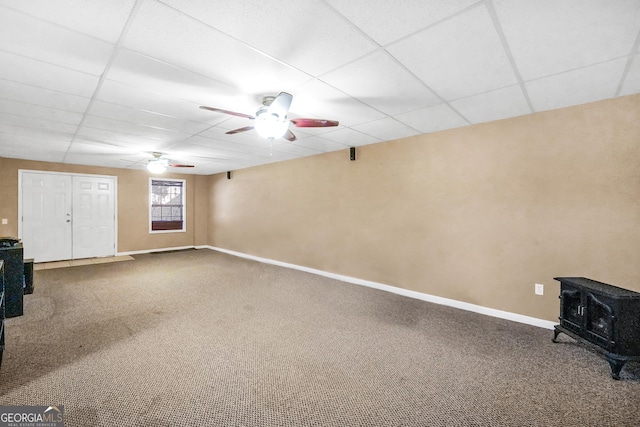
[(271, 121), (159, 164)]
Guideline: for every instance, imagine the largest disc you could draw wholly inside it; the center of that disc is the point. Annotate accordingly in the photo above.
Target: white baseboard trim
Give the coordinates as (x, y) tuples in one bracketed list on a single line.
[(148, 251), (541, 323)]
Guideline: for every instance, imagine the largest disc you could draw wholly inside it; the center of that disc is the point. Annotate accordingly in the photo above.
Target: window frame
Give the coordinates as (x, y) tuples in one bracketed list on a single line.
[(184, 205)]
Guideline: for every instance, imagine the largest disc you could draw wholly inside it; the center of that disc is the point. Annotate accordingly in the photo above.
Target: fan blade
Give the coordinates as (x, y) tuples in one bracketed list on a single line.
[(174, 165), (280, 105), (314, 123), (289, 136), (244, 129), (233, 113)]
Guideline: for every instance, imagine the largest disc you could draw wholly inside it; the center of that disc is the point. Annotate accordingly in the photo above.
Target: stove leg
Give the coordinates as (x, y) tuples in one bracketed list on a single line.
[(616, 366)]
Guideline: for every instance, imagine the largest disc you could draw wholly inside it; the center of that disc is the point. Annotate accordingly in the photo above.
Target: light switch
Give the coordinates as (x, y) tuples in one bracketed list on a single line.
[(5, 221)]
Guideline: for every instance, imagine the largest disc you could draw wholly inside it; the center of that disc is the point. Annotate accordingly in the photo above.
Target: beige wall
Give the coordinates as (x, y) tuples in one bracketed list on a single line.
[(133, 204), (477, 214), (200, 192)]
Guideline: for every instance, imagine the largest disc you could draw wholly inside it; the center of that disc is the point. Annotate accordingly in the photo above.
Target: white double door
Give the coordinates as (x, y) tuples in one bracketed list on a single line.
[(67, 216)]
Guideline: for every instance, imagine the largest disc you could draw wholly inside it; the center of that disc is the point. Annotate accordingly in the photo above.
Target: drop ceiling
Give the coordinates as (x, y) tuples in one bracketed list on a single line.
[(105, 83)]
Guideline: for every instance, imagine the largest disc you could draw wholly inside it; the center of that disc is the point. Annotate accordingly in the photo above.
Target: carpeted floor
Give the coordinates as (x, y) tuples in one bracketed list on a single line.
[(79, 262), (200, 338)]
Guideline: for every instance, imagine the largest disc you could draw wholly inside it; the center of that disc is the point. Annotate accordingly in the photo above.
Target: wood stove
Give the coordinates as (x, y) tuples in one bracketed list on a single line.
[(604, 317)]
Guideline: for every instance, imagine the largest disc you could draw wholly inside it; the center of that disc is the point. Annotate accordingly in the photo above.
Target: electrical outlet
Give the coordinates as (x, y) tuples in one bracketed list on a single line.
[(539, 289)]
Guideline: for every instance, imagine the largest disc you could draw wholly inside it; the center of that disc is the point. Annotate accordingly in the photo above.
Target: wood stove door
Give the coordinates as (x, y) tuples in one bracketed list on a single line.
[(599, 322), (571, 309)]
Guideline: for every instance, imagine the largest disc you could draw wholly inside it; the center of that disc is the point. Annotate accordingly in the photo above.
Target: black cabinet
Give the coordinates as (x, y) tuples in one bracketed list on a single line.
[(604, 317), (11, 253), (28, 276), (2, 299)]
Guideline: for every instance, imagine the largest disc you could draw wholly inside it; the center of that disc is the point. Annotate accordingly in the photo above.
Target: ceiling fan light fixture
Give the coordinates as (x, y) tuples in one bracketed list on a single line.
[(271, 120), (157, 166), (270, 126)]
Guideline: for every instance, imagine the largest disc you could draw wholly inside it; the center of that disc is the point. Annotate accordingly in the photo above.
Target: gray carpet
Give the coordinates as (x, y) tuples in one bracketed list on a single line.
[(200, 338)]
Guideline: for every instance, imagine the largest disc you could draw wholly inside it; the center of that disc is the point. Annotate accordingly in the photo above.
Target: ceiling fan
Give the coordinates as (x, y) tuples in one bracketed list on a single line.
[(159, 163), (271, 120)]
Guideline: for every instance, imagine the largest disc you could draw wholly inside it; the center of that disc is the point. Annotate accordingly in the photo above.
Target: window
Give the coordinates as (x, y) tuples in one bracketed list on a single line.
[(167, 208)]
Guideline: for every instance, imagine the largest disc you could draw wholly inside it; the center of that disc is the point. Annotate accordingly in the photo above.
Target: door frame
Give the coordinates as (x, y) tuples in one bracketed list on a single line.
[(72, 174)]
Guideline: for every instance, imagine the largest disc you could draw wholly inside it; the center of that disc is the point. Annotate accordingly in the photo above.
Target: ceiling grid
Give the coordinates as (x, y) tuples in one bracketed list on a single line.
[(108, 83)]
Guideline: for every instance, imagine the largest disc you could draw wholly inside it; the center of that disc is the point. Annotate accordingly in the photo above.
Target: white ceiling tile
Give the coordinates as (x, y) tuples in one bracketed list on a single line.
[(36, 112), (304, 132), (245, 162), (495, 105), (185, 158), (269, 155), (235, 147), (99, 18), (13, 130), (145, 118), (44, 97), (84, 151), (17, 144), (193, 154), (140, 99), (256, 160), (296, 148), (38, 123), (31, 142), (549, 36), (37, 153), (82, 145), (391, 20), (34, 38), (52, 150), (386, 129), (390, 89), (299, 33), (321, 144), (212, 169), (201, 153), (167, 135), (151, 74), (631, 82), (141, 143), (80, 156), (36, 73), (352, 138), (433, 119), (163, 33), (320, 100), (460, 57), (576, 87), (95, 160)]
